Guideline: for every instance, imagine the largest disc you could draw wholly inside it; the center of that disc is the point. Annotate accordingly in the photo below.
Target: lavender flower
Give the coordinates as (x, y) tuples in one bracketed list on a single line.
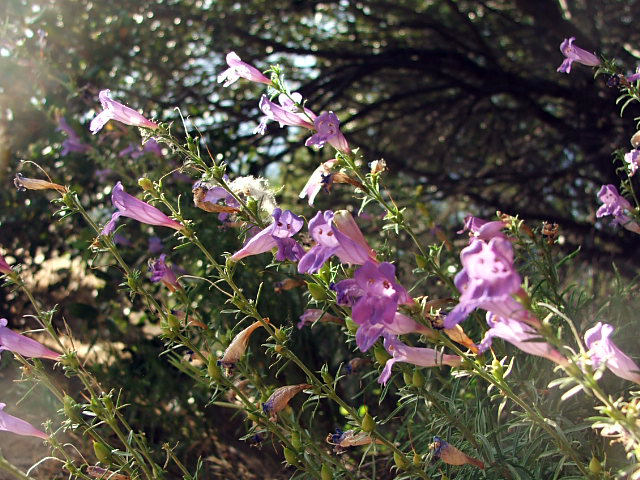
[(423, 357), (130, 206), (286, 113), (451, 455), (602, 350), (482, 229), (335, 234), (575, 54), (328, 130), (73, 142), (239, 69), (521, 335), (5, 268), (25, 346), (117, 111), (312, 315), (488, 280), (161, 272), (9, 423), (614, 204), (633, 159), (285, 225), (317, 180)]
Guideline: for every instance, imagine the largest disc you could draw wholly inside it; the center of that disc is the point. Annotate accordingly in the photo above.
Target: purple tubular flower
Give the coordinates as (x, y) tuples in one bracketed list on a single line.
[(633, 159), (482, 229), (376, 308), (312, 315), (73, 143), (335, 234), (369, 332), (161, 272), (487, 280), (614, 204), (602, 350), (317, 180), (117, 111), (286, 113), (5, 268), (575, 54), (130, 206), (423, 357), (523, 336), (327, 127), (25, 346), (285, 225), (9, 423), (239, 69)]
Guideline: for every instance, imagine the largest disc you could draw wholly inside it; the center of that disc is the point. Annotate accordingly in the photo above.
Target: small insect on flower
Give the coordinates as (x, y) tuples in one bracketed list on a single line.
[(451, 455), (280, 398), (342, 441), (238, 346)]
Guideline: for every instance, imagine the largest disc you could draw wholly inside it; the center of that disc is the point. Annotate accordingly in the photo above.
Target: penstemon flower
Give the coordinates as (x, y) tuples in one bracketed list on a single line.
[(130, 206), (313, 315), (286, 113), (602, 350), (615, 204), (327, 127), (5, 268), (482, 229), (117, 111), (25, 346), (317, 181), (161, 272), (575, 54), (9, 423), (239, 69)]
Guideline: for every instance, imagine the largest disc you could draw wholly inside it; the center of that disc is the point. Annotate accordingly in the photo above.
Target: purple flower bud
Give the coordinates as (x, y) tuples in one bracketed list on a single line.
[(160, 272), (423, 357), (614, 204), (285, 225), (239, 69), (327, 127), (117, 111), (602, 350), (482, 229), (523, 336), (286, 115), (575, 54), (317, 180), (9, 423), (25, 346), (633, 159), (5, 268), (130, 206)]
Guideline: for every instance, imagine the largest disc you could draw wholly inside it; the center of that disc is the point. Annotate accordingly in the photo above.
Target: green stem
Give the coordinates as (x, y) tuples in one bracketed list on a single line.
[(12, 469)]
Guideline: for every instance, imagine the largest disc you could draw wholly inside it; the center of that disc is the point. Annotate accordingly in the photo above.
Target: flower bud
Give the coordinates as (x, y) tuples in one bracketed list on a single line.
[(214, 371), (594, 466), (325, 472), (399, 460), (327, 377), (296, 442), (417, 459), (381, 355), (71, 409), (421, 262), (408, 378), (103, 453), (146, 184), (352, 326), (316, 291), (368, 423), (290, 456), (418, 379)]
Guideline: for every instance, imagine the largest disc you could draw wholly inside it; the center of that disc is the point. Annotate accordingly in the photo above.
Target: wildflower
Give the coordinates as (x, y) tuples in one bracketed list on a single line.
[(286, 113), (344, 440), (327, 127), (206, 197), (423, 357), (614, 204), (24, 183), (316, 180), (160, 272), (482, 229), (634, 77), (239, 69), (575, 54), (73, 142), (312, 315), (285, 225), (5, 268), (335, 234), (9, 423), (523, 336), (488, 280), (280, 398), (602, 350), (451, 455), (25, 346), (117, 111), (632, 158), (130, 206), (238, 346)]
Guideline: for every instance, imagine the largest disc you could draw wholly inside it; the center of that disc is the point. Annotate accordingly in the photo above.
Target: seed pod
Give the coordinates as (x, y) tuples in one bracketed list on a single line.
[(417, 459), (214, 371), (418, 379), (146, 184), (594, 466), (103, 453), (399, 460), (316, 291), (368, 423), (295, 440), (351, 325), (408, 378), (290, 456), (71, 409), (325, 472), (381, 355)]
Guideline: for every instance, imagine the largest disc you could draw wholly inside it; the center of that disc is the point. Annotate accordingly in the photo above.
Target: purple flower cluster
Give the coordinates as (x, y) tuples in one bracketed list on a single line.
[(615, 204)]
